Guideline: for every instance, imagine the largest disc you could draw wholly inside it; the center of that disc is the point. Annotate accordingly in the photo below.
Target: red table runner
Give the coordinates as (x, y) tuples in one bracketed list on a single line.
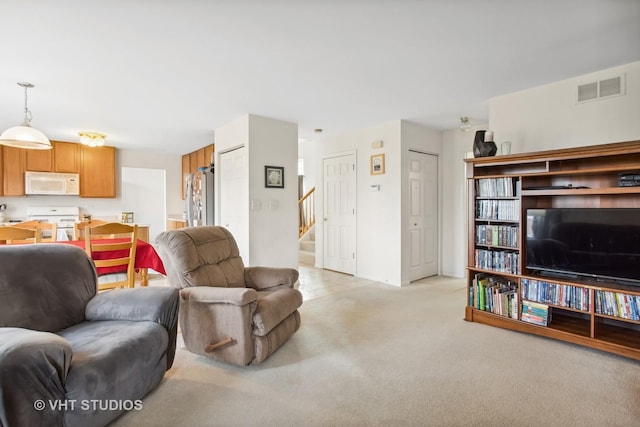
[(146, 255)]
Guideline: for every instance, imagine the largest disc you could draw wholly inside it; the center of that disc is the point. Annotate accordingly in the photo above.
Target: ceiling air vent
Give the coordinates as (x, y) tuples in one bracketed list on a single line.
[(587, 92), (601, 89)]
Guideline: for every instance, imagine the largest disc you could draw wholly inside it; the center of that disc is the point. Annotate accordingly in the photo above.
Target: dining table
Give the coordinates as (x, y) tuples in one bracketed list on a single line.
[(146, 257)]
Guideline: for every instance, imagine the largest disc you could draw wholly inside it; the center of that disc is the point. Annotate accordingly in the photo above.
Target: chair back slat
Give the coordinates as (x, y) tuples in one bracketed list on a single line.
[(16, 235), (126, 250), (50, 227), (78, 227)]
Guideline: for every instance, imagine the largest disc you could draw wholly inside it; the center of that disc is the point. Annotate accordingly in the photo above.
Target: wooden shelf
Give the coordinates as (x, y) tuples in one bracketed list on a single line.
[(596, 167), (498, 273), (618, 334), (497, 198), (570, 324), (485, 246), (581, 191), (616, 318), (498, 221)]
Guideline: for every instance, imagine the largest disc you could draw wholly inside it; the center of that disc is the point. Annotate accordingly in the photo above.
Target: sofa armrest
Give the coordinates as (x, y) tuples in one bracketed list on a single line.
[(266, 278), (33, 371), (213, 295), (155, 304)]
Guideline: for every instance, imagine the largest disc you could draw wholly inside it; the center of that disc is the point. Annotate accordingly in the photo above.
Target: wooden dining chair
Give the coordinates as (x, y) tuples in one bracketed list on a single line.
[(79, 227), (97, 247), (15, 235), (49, 227)]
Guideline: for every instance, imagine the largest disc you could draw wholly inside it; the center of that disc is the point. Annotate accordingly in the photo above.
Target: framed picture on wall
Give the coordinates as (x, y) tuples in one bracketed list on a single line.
[(377, 164), (273, 177)]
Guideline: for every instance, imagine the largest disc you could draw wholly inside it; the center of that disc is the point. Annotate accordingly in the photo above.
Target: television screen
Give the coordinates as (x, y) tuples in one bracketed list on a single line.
[(602, 243)]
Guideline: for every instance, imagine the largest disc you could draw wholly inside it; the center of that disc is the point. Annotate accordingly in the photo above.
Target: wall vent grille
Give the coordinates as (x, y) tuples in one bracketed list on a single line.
[(601, 89)]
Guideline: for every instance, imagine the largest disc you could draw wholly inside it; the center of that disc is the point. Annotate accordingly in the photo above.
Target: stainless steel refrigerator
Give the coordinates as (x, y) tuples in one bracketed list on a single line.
[(199, 195)]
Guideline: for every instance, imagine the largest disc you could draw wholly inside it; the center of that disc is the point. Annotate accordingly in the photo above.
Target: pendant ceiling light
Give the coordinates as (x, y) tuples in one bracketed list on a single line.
[(24, 136)]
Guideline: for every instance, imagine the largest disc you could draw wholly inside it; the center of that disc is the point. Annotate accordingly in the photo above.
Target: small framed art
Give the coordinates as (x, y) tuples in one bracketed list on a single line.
[(273, 177), (377, 164)]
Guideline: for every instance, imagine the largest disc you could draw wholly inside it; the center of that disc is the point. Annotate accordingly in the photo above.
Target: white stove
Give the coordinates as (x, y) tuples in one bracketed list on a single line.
[(64, 217)]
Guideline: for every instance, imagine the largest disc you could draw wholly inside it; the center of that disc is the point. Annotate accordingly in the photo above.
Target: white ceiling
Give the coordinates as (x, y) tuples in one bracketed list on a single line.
[(164, 74)]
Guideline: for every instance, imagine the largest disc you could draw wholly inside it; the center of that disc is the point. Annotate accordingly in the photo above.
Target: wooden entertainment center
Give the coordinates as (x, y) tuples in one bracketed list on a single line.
[(502, 292)]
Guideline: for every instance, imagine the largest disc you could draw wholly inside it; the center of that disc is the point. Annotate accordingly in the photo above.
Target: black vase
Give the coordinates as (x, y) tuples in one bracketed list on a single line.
[(482, 148)]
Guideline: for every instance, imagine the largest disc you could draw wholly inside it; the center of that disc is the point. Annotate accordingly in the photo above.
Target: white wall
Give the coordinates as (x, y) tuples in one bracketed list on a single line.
[(144, 194), (307, 151), (170, 163), (455, 144), (272, 228), (378, 215), (548, 117), (111, 208), (380, 236)]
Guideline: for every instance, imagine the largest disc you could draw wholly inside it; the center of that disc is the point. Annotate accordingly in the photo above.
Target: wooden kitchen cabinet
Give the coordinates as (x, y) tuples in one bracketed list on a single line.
[(208, 155), (63, 157), (14, 162), (176, 224), (194, 160), (1, 173), (200, 159), (186, 169), (39, 160), (97, 171), (66, 157)]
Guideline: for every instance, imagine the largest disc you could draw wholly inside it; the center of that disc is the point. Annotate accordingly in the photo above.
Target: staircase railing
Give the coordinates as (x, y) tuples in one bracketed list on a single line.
[(306, 209)]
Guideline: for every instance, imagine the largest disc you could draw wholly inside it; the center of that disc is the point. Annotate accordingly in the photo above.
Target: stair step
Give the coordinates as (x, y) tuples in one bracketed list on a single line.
[(308, 245)]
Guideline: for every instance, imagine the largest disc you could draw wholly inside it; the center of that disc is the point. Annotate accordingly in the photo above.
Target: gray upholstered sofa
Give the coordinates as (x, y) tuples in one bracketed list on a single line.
[(69, 357), (228, 312)]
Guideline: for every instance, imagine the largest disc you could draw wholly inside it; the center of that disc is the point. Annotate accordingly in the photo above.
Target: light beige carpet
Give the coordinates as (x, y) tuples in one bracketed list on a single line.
[(384, 356)]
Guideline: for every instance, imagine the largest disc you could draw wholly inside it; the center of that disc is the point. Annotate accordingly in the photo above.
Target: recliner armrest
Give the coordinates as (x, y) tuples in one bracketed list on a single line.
[(265, 278), (213, 295), (33, 370)]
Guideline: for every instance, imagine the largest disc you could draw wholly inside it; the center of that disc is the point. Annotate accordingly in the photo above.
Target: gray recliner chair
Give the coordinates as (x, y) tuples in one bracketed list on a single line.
[(69, 356), (228, 312)]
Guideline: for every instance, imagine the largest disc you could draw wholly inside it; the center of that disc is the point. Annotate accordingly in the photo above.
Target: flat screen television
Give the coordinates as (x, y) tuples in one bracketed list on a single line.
[(599, 243)]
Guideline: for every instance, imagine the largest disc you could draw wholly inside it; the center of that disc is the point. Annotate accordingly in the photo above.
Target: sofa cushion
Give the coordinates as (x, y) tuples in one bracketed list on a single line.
[(107, 365), (46, 286), (273, 307)]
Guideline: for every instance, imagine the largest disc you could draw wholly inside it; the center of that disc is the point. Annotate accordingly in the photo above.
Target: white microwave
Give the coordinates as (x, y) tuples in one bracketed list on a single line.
[(51, 183)]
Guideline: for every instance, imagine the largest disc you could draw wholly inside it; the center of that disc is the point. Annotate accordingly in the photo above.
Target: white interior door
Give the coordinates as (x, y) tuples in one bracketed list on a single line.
[(423, 217), (234, 197), (340, 213)]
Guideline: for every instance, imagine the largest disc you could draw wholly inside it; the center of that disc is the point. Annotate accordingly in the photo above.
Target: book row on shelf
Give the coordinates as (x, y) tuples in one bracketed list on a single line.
[(498, 210), (497, 187), (618, 304), (497, 235), (502, 261), (556, 294), (536, 313), (494, 294)]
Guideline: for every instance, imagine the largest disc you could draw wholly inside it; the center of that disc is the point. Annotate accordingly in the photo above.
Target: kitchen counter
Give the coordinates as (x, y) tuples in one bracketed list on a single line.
[(175, 222)]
